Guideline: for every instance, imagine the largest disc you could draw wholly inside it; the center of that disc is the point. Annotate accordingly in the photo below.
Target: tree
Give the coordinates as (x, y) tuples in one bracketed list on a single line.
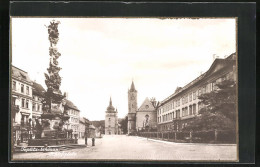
[(219, 109), (123, 124)]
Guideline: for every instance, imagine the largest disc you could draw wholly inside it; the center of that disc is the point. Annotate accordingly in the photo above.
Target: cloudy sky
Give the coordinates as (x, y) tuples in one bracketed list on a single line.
[(101, 56)]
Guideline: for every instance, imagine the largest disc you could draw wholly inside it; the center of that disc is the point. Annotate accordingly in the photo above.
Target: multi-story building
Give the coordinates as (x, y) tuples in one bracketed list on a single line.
[(21, 103), (73, 122), (111, 120), (176, 111), (37, 97), (83, 126)]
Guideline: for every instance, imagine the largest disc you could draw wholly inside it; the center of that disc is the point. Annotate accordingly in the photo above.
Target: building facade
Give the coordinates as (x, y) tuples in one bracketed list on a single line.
[(37, 97), (83, 127), (177, 110), (146, 116), (111, 120), (142, 118), (21, 104), (73, 122)]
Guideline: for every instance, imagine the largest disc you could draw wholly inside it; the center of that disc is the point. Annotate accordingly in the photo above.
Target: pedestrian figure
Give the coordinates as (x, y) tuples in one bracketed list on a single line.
[(93, 141)]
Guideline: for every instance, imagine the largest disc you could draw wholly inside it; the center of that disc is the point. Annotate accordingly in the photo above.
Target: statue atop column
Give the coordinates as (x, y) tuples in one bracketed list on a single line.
[(54, 110)]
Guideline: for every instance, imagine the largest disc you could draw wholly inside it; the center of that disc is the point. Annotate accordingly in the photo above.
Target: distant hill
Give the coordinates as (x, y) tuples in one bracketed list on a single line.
[(98, 123)]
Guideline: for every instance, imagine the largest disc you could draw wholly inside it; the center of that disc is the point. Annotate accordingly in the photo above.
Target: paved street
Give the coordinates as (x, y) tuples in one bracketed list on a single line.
[(121, 147)]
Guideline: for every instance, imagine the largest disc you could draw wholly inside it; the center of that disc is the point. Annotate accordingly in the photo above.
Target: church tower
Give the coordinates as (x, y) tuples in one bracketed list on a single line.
[(111, 120), (132, 108)]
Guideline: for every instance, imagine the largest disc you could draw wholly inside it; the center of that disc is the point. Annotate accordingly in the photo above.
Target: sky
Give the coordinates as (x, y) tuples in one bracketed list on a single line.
[(100, 57)]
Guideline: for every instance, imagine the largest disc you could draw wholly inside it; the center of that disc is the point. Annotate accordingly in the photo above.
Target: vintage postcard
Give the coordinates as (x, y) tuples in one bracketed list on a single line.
[(124, 89)]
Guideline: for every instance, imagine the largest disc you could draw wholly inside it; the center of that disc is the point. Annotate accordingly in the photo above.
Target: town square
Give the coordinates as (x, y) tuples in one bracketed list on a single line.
[(92, 89), (120, 147)]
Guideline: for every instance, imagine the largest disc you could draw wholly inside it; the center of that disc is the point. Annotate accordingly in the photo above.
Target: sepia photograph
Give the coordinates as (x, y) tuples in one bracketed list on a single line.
[(124, 89)]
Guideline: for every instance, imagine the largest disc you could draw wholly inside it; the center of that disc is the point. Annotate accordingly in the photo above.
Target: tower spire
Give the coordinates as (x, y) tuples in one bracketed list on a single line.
[(110, 102), (132, 86)]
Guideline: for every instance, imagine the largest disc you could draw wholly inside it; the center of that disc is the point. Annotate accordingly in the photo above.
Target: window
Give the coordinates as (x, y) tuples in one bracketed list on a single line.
[(190, 110), (199, 93), (13, 100), (23, 102), (22, 88), (204, 90), (199, 105), (214, 87), (14, 85), (194, 95), (191, 97), (27, 103), (178, 114), (33, 107), (194, 109), (27, 90), (38, 107)]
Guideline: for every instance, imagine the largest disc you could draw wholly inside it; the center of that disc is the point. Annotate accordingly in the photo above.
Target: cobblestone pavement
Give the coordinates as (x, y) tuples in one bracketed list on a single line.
[(121, 147)]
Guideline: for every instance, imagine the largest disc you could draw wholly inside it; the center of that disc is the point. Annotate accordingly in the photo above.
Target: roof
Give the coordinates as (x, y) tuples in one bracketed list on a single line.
[(132, 89), (146, 106), (215, 66), (20, 74), (71, 105), (38, 89), (92, 127), (110, 108)]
